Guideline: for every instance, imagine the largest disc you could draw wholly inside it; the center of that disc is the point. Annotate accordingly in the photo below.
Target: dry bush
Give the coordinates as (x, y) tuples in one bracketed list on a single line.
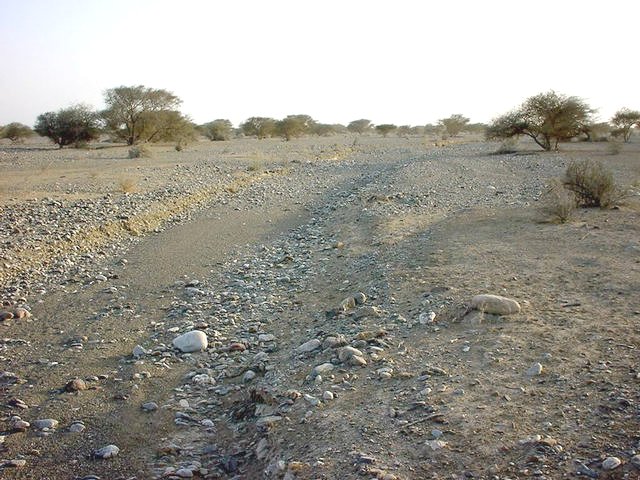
[(255, 165), (508, 145), (559, 203), (140, 151), (592, 183), (614, 147), (127, 185)]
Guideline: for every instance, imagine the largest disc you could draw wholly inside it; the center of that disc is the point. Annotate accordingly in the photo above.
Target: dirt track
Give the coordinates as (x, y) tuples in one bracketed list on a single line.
[(263, 268)]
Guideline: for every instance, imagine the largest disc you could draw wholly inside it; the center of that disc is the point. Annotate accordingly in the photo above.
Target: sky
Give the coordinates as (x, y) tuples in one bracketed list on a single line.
[(406, 62)]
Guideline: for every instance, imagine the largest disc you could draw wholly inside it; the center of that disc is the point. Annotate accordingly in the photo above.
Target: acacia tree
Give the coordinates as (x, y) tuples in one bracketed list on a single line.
[(454, 124), (218, 130), (261, 127), (132, 111), (623, 121), (294, 126), (385, 129), (67, 126), (16, 132), (547, 118), (359, 126)]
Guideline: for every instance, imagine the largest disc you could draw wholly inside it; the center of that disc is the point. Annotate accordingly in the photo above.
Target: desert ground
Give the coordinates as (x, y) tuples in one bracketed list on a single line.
[(333, 279)]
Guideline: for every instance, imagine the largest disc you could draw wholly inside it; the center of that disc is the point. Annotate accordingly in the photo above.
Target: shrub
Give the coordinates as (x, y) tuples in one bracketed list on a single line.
[(128, 185), (73, 125), (559, 203), (592, 184), (454, 124), (508, 145), (140, 151), (218, 131), (16, 132), (385, 128)]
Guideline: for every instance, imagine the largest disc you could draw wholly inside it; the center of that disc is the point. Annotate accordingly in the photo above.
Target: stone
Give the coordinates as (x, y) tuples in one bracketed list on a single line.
[(266, 337), (237, 347), (21, 313), (334, 341), (427, 317), (357, 361), (101, 278), (347, 304), (184, 473), (17, 463), (535, 369), (48, 423), (495, 304), (311, 400), (309, 346), (611, 463), (248, 376), (327, 395), (369, 311), (635, 461), (207, 423), (75, 385), (360, 298), (345, 353), (77, 427), (17, 424), (322, 369), (108, 451), (193, 341), (436, 444), (4, 315), (138, 351), (149, 406)]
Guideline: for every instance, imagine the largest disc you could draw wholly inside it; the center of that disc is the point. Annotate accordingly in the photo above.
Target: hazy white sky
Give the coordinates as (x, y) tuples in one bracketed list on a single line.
[(401, 61)]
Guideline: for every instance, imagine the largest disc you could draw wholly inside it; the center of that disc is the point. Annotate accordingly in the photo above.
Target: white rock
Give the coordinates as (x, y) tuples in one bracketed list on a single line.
[(322, 369), (203, 379), (193, 341), (101, 278), (611, 463), (495, 304), (77, 427), (138, 351), (48, 423), (107, 452), (309, 346), (436, 444), (266, 337), (327, 395), (311, 400), (248, 376), (345, 353), (207, 423), (184, 473), (427, 317), (535, 369)]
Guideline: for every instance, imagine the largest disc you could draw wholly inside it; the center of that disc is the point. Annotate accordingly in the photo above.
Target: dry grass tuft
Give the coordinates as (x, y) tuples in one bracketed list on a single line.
[(128, 185), (592, 184), (140, 151), (559, 203)]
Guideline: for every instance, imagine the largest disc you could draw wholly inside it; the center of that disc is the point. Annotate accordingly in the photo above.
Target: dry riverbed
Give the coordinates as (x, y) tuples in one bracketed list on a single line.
[(332, 281)]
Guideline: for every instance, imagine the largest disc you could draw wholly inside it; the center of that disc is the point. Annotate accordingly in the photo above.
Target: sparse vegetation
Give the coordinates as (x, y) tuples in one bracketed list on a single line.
[(360, 126), (127, 185), (294, 126), (260, 127), (623, 121), (385, 128), (592, 184), (140, 114), (547, 118), (218, 131), (69, 126), (559, 203), (614, 147), (16, 132), (508, 145), (140, 151), (454, 124)]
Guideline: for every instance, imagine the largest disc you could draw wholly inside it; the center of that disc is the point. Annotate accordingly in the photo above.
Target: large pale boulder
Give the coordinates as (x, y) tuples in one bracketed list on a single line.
[(495, 304), (193, 341)]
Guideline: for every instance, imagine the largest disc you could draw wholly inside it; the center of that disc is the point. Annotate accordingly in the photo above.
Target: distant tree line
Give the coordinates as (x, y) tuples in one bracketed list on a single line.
[(138, 114)]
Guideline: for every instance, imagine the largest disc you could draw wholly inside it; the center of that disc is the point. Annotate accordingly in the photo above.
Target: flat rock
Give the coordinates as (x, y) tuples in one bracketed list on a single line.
[(75, 385), (345, 353), (309, 346), (107, 451), (193, 341), (495, 304), (611, 463), (48, 423), (322, 369)]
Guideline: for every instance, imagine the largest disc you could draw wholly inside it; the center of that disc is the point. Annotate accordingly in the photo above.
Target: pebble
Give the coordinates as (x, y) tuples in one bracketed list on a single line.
[(149, 406), (138, 351), (322, 369), (313, 401), (107, 451), (77, 427), (21, 313), (248, 376), (75, 385), (535, 369), (266, 337), (17, 463), (611, 463), (495, 304), (327, 395), (436, 444), (184, 473), (346, 353), (193, 341), (309, 346), (48, 423), (17, 424), (427, 317)]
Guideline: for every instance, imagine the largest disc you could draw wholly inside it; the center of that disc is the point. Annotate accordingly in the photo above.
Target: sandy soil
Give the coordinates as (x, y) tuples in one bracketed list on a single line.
[(274, 237)]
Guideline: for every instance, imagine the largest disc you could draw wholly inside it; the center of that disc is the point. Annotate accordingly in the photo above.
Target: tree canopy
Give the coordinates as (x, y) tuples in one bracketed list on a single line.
[(68, 126), (454, 124), (623, 121), (359, 126), (261, 127), (547, 118), (218, 130), (16, 132), (139, 114)]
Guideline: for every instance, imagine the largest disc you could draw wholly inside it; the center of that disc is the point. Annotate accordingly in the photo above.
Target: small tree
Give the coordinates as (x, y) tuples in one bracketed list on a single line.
[(454, 124), (547, 118), (623, 121), (261, 127), (72, 125), (294, 126), (360, 126), (218, 130), (130, 111), (385, 129), (16, 132)]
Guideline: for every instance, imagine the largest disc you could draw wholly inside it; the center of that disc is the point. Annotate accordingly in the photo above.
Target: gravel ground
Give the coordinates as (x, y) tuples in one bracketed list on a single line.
[(333, 283)]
